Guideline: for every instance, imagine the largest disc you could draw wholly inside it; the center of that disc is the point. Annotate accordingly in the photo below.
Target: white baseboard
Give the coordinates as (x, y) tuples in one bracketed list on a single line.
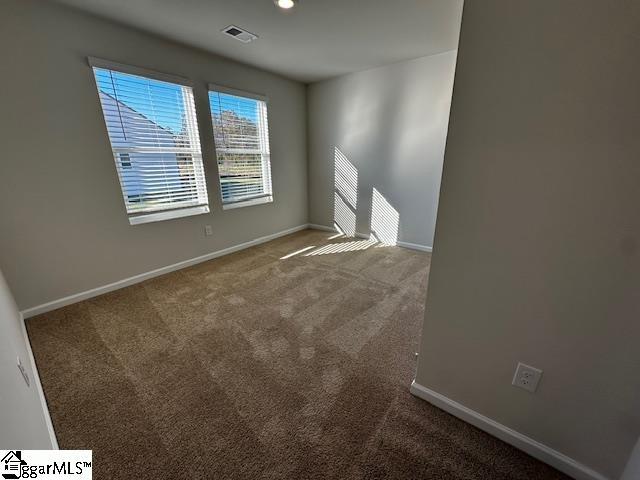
[(38, 387), (94, 292), (324, 228), (411, 246), (416, 246), (534, 448)]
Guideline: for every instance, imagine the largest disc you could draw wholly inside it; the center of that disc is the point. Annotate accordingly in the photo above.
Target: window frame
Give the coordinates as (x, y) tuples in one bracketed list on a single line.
[(257, 200), (140, 71), (169, 213)]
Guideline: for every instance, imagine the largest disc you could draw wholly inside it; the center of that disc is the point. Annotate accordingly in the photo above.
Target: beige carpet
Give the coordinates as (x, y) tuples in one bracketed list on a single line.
[(254, 366)]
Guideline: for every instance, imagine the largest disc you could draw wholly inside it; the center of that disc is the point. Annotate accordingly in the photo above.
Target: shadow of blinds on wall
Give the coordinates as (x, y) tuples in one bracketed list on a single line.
[(153, 131), (241, 134)]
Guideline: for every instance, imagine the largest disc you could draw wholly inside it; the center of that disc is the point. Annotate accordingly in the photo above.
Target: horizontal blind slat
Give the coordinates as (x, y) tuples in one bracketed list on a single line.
[(153, 130), (240, 130)]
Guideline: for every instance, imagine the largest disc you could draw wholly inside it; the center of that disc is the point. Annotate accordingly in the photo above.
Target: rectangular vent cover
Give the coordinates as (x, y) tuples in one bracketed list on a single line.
[(239, 34)]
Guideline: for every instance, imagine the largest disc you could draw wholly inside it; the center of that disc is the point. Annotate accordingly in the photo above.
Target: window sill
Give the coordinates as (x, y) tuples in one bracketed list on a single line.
[(248, 203), (168, 215)]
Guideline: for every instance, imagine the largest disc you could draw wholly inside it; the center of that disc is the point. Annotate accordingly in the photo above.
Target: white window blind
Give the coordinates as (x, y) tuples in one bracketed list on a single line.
[(241, 133), (153, 131)]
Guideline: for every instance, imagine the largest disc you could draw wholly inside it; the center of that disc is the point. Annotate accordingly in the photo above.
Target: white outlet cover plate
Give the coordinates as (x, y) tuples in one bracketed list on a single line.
[(527, 377)]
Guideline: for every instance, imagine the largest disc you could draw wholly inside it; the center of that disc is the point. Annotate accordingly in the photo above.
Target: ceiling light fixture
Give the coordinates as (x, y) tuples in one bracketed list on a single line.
[(285, 4)]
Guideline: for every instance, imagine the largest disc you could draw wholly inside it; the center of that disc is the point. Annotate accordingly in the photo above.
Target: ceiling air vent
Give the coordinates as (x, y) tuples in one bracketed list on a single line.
[(239, 34)]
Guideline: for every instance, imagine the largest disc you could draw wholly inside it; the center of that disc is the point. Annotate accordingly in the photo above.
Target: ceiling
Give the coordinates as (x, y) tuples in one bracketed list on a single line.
[(317, 39)]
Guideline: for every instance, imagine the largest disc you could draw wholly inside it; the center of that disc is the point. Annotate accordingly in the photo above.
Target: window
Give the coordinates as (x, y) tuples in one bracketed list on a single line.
[(241, 134), (153, 130), (125, 160)]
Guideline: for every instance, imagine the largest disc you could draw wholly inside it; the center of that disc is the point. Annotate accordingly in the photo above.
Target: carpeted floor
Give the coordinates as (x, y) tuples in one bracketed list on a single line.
[(254, 366)]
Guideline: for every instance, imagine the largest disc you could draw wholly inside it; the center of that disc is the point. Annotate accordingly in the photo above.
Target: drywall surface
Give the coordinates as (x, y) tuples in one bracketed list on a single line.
[(21, 413), (536, 256), (389, 125), (632, 471), (64, 226)]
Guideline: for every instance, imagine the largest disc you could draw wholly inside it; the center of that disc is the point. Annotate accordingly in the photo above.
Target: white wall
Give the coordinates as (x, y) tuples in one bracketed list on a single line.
[(632, 471), (391, 124), (22, 418), (64, 226), (536, 255)]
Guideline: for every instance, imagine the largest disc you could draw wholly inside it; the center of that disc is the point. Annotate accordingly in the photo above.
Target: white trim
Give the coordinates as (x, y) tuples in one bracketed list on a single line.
[(247, 203), (236, 92), (324, 228), (38, 385), (94, 292), (168, 215), (411, 246), (534, 448), (415, 246), (140, 71)]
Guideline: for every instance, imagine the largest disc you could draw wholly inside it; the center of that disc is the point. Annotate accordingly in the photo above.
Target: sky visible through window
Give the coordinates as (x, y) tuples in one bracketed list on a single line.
[(160, 94), (243, 107)]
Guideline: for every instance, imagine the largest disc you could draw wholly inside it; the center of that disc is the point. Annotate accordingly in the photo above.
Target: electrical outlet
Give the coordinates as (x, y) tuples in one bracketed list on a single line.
[(527, 377), (208, 230), (24, 373)]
